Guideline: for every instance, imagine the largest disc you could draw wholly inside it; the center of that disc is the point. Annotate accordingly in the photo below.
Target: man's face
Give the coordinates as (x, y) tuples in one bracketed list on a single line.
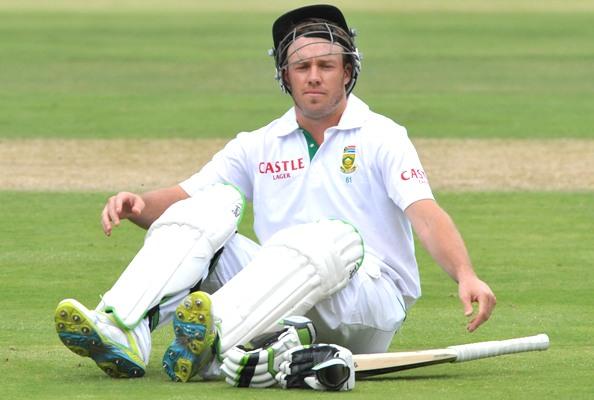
[(317, 76)]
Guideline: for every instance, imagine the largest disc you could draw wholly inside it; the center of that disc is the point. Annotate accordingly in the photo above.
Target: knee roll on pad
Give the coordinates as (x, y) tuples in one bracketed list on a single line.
[(176, 253), (294, 270)]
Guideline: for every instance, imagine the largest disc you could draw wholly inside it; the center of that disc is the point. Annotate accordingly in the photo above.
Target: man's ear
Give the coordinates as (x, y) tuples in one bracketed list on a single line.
[(348, 74), (285, 75)]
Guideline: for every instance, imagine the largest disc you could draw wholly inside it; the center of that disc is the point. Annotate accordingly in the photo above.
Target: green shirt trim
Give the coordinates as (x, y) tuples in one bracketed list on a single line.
[(312, 146)]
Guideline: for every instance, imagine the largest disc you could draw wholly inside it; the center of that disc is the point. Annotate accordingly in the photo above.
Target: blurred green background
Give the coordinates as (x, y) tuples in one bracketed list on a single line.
[(109, 71)]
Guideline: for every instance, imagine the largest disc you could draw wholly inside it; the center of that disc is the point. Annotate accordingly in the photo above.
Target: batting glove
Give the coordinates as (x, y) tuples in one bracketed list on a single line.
[(256, 363), (318, 367)]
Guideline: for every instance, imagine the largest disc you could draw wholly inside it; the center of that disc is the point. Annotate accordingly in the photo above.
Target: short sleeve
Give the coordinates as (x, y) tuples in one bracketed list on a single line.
[(404, 177), (229, 165)]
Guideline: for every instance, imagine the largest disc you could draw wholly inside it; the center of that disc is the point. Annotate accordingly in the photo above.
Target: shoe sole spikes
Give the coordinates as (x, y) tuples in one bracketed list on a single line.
[(195, 334), (81, 336)]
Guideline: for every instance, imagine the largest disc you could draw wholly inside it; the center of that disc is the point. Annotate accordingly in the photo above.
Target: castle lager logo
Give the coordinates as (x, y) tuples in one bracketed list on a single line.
[(348, 159), (414, 173), (281, 169)]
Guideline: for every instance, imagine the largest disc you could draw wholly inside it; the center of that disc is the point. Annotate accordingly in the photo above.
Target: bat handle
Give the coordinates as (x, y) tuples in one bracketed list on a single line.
[(475, 351)]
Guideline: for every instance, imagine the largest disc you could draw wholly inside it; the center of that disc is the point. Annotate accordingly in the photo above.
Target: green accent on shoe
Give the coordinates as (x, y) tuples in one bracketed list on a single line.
[(79, 334), (195, 337)]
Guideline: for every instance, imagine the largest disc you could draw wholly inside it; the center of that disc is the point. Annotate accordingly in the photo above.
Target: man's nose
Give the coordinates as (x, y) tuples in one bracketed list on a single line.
[(313, 77)]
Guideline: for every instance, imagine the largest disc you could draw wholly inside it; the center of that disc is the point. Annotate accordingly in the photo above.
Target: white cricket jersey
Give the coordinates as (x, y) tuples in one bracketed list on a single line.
[(366, 172)]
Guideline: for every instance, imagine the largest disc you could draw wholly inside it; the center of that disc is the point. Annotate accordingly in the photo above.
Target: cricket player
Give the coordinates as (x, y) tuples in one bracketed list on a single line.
[(336, 190)]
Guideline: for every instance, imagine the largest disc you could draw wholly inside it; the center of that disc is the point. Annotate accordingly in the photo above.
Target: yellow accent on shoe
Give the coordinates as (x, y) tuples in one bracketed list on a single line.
[(195, 337), (78, 332)]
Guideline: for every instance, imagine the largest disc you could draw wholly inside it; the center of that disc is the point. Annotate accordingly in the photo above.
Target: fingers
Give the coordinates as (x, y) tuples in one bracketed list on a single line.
[(119, 207), (467, 303), (486, 304), (477, 292), (110, 215), (107, 216), (105, 222)]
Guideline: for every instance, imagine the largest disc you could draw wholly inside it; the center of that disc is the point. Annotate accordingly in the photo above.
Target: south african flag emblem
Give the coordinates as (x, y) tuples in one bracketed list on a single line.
[(348, 160)]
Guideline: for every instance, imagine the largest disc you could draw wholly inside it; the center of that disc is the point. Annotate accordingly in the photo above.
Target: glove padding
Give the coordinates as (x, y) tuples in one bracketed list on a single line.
[(318, 367), (256, 363)]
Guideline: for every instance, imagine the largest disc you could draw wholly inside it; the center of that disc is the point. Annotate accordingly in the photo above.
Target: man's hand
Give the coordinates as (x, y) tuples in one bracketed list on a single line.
[(121, 206), (473, 290), (141, 210)]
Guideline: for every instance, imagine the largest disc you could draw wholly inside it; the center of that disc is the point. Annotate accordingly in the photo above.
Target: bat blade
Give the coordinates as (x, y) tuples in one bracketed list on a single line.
[(383, 363)]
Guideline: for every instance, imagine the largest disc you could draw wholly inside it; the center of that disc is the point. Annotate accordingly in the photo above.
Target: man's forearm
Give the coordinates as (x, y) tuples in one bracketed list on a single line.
[(447, 248), (156, 202), (439, 235)]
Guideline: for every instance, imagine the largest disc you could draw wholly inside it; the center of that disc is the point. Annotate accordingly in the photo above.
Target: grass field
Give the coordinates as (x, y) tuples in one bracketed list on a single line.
[(528, 246), (148, 74), (459, 69)]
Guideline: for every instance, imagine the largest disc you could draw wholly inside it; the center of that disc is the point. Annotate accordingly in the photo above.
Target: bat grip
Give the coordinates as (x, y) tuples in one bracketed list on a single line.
[(475, 351)]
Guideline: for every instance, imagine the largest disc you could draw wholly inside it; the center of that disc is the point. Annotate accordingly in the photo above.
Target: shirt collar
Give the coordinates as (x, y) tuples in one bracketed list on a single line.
[(354, 116)]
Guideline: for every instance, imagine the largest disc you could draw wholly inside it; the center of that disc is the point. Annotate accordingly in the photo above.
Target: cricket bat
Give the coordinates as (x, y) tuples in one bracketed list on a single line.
[(383, 363)]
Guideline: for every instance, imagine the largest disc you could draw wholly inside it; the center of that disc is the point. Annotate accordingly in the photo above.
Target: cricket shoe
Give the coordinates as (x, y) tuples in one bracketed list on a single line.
[(195, 336), (95, 334)]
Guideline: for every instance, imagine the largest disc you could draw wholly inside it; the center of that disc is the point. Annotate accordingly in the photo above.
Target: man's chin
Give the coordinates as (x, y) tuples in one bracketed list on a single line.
[(312, 113), (314, 107)]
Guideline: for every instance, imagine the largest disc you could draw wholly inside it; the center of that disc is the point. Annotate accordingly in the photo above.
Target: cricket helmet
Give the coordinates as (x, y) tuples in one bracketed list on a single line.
[(320, 21)]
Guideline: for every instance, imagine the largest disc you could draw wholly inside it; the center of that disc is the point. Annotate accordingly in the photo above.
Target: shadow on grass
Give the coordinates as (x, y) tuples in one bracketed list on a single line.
[(390, 377)]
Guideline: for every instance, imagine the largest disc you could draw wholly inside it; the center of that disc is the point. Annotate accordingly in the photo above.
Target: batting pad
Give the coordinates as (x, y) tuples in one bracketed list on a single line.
[(176, 253), (294, 270)]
